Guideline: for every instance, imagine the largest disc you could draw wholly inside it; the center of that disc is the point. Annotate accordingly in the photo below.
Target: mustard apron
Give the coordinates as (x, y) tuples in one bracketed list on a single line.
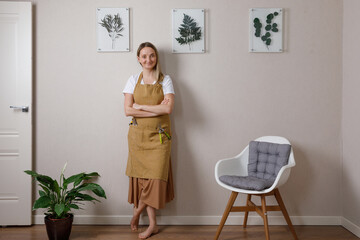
[(149, 137)]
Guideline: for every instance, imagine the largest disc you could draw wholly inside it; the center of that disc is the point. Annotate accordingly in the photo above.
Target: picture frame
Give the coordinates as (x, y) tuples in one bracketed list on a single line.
[(266, 30), (188, 30), (113, 32)]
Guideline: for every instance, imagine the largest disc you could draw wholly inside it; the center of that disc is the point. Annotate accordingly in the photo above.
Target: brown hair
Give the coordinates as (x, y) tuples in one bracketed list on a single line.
[(158, 74)]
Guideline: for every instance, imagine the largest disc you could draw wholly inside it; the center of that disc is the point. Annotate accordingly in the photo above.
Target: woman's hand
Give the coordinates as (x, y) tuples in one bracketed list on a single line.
[(165, 101), (137, 106), (165, 107), (137, 110), (130, 108), (140, 107)]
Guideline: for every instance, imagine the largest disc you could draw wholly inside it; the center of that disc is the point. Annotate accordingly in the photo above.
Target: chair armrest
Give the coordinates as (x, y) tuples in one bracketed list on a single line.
[(284, 172), (232, 166)]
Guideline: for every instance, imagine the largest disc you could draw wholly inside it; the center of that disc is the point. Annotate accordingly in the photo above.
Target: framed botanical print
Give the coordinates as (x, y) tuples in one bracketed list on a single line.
[(188, 30), (266, 30), (112, 29)]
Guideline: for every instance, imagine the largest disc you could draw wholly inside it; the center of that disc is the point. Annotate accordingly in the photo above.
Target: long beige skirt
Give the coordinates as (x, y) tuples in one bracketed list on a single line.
[(152, 192)]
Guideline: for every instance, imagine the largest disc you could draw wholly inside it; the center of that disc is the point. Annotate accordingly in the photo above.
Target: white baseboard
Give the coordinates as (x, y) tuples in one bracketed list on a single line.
[(350, 226), (200, 220), (210, 220)]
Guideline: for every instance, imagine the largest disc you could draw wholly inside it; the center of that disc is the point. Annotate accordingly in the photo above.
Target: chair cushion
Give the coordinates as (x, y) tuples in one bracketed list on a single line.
[(266, 159), (249, 183)]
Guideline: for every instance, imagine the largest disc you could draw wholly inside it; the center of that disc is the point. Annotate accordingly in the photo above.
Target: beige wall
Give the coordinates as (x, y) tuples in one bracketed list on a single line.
[(351, 114), (224, 98)]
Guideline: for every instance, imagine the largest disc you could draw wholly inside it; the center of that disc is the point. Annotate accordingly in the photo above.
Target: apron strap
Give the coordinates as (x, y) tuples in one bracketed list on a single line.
[(139, 79), (158, 82)]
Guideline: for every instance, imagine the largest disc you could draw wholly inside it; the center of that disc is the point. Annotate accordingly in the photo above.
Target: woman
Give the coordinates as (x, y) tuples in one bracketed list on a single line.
[(149, 99)]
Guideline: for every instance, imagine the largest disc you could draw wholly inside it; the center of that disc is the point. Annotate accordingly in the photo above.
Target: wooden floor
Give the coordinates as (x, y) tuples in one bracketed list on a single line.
[(38, 232)]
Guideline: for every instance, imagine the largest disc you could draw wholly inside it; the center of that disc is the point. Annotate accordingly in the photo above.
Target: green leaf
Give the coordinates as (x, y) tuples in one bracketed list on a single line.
[(276, 13), (93, 186), (74, 206), (268, 27), (32, 173), (73, 178), (46, 189), (47, 181), (263, 38), (42, 193), (77, 196), (78, 181), (93, 174), (52, 196), (268, 21), (64, 185), (267, 34), (56, 188), (270, 16), (268, 41), (275, 30), (256, 20), (274, 25), (66, 210), (85, 197), (100, 193), (42, 202), (59, 208)]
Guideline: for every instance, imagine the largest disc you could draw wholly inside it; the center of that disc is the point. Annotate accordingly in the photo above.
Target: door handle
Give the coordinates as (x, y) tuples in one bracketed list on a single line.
[(23, 108)]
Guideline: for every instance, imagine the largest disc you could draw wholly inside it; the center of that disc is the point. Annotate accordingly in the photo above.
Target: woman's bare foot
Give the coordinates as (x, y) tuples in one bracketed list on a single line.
[(135, 220), (148, 232)]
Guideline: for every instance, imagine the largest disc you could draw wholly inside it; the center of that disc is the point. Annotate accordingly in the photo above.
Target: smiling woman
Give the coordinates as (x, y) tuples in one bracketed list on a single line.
[(149, 99), (147, 58)]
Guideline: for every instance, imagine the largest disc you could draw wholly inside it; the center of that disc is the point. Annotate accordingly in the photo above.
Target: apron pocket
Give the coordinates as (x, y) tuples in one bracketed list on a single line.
[(147, 139)]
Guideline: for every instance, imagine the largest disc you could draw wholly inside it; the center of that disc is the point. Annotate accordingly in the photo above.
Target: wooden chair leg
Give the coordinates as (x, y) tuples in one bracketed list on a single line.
[(266, 226), (285, 213), (247, 212), (229, 205)]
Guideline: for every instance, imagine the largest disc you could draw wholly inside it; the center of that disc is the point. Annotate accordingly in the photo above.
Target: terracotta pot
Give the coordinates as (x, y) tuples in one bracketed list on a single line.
[(59, 229)]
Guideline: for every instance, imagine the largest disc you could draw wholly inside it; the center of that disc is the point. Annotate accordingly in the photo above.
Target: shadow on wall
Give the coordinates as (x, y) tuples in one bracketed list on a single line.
[(350, 192), (185, 113), (297, 192)]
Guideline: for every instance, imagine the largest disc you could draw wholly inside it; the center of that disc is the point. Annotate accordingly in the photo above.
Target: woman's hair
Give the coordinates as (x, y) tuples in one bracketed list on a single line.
[(158, 74)]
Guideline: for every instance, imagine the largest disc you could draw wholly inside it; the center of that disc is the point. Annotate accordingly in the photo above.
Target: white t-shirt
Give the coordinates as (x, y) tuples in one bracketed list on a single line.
[(166, 84)]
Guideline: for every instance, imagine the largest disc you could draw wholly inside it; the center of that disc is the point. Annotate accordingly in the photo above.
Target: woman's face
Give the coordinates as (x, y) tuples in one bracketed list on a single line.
[(147, 58)]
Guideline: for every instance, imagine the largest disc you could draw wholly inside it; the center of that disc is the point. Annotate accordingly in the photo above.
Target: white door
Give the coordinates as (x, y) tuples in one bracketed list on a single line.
[(15, 123)]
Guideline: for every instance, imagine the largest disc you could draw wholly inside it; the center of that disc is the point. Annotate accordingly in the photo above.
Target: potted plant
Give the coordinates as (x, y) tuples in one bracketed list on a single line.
[(60, 197)]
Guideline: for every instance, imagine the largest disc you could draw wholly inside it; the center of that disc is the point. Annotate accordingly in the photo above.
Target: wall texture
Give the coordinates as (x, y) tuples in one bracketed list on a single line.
[(224, 98), (351, 115)]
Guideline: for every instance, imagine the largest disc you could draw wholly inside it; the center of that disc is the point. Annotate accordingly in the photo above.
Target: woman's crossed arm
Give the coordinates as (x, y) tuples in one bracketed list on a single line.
[(136, 110)]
